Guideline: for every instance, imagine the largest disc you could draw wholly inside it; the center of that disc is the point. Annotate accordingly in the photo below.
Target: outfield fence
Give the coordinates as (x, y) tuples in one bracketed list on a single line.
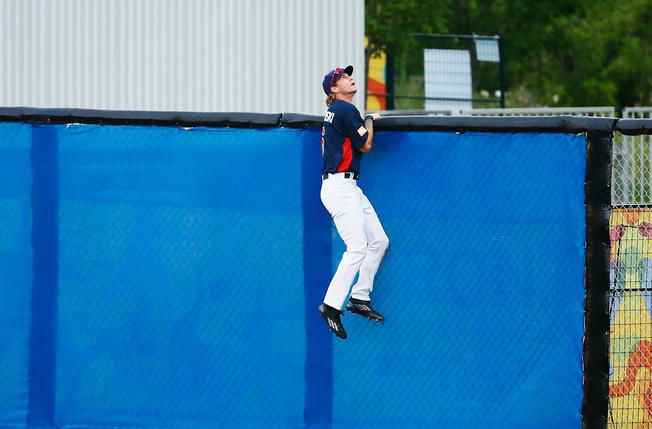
[(163, 269)]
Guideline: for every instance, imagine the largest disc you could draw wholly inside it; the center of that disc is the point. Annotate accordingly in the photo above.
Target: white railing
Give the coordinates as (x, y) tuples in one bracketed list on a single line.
[(605, 111), (413, 112), (637, 112)]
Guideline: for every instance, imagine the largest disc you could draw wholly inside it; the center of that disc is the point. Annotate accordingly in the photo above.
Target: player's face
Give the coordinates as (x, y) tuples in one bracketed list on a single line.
[(346, 85)]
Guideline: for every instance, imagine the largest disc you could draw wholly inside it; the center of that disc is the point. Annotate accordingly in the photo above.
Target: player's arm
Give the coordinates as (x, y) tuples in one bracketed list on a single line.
[(369, 126)]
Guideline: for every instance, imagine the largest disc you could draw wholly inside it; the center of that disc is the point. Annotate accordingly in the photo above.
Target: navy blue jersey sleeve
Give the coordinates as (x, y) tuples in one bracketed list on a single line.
[(354, 126)]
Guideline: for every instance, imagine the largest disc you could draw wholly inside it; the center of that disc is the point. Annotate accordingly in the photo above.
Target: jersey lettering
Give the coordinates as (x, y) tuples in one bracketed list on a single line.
[(329, 117)]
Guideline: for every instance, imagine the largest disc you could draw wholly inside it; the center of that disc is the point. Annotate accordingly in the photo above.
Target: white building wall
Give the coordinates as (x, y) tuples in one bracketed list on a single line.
[(192, 55)]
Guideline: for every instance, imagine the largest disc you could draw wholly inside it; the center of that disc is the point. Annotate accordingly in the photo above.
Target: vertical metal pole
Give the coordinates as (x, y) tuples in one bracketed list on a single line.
[(501, 55)]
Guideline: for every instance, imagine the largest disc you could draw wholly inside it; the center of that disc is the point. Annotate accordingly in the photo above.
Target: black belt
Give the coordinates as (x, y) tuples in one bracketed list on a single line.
[(347, 175)]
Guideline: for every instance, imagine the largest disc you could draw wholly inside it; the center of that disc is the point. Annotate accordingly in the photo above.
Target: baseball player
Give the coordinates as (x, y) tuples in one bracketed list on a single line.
[(345, 136)]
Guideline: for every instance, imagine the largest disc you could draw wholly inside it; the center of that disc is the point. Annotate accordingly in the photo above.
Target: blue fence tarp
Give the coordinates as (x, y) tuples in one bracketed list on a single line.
[(179, 286)]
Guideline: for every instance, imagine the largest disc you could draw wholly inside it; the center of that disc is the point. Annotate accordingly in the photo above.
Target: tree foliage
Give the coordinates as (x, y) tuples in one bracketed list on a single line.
[(558, 52)]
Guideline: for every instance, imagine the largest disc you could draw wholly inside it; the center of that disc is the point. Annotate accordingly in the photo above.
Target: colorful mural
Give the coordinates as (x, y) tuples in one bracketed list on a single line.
[(376, 83), (630, 378)]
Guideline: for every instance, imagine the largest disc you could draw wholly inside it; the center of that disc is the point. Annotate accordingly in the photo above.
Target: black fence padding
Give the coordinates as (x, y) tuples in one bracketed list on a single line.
[(634, 127), (136, 117), (562, 124), (299, 120), (597, 187), (580, 124)]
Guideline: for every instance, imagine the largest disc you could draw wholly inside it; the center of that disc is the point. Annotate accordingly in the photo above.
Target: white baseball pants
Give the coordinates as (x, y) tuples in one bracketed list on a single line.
[(366, 242)]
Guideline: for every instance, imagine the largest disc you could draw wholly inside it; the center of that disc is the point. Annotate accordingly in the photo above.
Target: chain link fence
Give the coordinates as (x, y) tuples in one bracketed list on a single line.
[(630, 375), (632, 163), (169, 250)]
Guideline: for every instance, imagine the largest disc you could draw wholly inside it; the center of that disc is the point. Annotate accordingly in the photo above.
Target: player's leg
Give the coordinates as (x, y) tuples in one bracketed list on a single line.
[(343, 202), (377, 244)]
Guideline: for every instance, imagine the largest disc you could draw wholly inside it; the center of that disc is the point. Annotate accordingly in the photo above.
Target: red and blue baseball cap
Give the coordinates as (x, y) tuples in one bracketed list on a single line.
[(332, 76)]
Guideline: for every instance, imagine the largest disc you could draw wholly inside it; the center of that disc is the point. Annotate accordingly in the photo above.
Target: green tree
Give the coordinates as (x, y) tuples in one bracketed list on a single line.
[(559, 52)]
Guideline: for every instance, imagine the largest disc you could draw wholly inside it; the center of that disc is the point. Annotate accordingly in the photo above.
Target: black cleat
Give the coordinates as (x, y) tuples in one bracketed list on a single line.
[(363, 308), (332, 318)]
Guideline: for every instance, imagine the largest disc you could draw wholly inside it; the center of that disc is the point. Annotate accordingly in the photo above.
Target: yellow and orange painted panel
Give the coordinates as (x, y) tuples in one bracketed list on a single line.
[(376, 83), (630, 378)]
